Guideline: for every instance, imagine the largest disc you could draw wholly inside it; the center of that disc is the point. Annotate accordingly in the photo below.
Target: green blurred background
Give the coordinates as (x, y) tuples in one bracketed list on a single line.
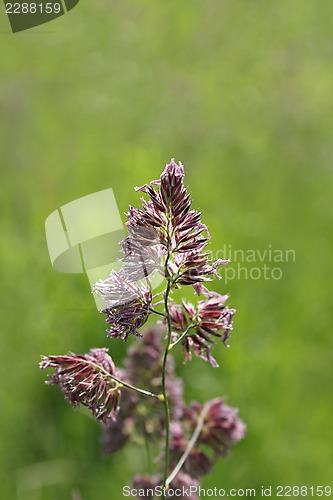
[(241, 93)]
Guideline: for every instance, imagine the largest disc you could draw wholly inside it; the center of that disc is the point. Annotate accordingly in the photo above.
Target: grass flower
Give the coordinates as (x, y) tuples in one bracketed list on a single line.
[(166, 236), (88, 380), (127, 305), (211, 319), (167, 218)]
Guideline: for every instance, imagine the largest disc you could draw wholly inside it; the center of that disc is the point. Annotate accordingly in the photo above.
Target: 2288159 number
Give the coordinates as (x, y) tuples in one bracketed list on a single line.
[(295, 491), (32, 8)]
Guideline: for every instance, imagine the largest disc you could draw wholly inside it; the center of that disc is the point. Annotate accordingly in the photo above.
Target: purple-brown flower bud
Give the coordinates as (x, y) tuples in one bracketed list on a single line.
[(212, 318), (178, 318), (88, 380), (127, 305)]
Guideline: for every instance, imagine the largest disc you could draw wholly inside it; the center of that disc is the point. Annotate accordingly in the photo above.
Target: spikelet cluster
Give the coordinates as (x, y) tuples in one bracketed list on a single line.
[(211, 319), (173, 234), (88, 380)]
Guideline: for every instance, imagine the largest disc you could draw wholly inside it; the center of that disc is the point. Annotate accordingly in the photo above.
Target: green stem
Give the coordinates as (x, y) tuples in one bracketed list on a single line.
[(125, 384), (189, 446), (141, 391), (156, 312), (165, 400), (192, 325)]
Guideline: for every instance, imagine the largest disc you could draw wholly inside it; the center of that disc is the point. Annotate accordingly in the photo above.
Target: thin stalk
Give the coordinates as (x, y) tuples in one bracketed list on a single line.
[(189, 446), (141, 391), (125, 384), (182, 336), (156, 312), (165, 400)]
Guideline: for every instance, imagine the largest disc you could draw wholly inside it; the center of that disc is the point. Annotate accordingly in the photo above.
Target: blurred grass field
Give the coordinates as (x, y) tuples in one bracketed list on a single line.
[(242, 94)]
